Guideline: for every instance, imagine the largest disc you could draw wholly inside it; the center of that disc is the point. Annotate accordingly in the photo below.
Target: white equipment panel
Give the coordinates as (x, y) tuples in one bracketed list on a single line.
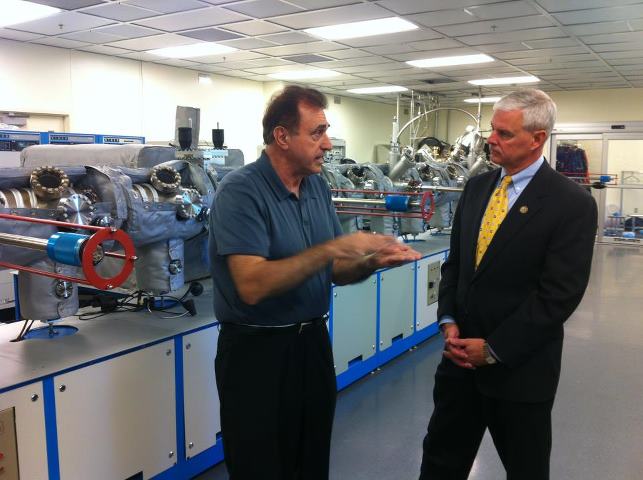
[(428, 282), (30, 429), (118, 417), (6, 289), (396, 304), (201, 400), (354, 322)]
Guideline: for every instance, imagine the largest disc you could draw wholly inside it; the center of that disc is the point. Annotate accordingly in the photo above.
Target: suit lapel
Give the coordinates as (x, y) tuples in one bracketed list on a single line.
[(523, 210)]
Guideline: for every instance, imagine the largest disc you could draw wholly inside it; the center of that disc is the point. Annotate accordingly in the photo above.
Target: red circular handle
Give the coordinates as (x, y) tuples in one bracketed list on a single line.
[(90, 247), (428, 196)]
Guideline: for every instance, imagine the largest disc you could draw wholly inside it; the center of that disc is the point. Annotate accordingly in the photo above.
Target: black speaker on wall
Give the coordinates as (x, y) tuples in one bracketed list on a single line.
[(185, 138), (217, 138)]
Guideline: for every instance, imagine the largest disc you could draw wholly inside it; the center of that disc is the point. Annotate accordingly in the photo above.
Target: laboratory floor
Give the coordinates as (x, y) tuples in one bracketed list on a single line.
[(597, 417)]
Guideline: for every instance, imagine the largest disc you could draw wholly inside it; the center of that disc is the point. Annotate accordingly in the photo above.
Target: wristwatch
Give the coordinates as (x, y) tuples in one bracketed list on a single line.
[(488, 358)]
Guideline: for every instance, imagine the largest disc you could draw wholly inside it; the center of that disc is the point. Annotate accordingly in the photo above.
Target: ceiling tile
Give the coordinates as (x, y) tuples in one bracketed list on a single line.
[(599, 28), (353, 62), (495, 26), (91, 36), (126, 31), (501, 47), (313, 47), (306, 58), (213, 68), (168, 6), (246, 43), (59, 42), (288, 38), (204, 17), (64, 22), (254, 27), (551, 43), (625, 54), (229, 57), (17, 35), (153, 41), (613, 38), (210, 34), (176, 62), (600, 14), (401, 37), (314, 4), (263, 8), (502, 10), (405, 57), (105, 50), (332, 16), (69, 4), (143, 56), (346, 54), (444, 17), (406, 7), (553, 59), (117, 11), (392, 49), (435, 44), (616, 47), (521, 35), (541, 52)]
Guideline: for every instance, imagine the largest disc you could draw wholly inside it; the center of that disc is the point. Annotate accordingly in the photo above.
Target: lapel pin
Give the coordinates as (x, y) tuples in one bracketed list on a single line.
[(524, 209)]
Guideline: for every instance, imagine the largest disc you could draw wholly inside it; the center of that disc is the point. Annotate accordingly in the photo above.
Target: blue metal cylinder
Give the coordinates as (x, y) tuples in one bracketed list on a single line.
[(64, 247), (397, 203)]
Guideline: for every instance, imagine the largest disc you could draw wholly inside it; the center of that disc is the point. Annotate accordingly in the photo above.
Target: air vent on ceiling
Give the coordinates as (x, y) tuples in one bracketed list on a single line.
[(437, 81), (307, 58)]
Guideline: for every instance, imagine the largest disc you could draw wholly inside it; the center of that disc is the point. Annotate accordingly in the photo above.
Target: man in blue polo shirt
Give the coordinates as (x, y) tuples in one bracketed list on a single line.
[(276, 246)]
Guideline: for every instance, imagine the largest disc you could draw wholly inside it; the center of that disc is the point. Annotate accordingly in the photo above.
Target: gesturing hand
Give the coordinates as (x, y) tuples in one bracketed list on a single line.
[(392, 256)]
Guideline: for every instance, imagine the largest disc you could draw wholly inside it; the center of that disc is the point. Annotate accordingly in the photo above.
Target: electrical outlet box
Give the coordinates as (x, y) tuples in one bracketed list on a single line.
[(8, 445), (433, 282)]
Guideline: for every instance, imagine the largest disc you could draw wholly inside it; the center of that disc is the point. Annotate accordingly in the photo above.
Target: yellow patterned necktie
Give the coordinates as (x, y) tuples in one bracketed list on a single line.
[(493, 216)]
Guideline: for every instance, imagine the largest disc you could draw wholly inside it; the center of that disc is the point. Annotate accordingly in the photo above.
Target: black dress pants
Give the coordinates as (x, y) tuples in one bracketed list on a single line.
[(277, 390), (520, 431)]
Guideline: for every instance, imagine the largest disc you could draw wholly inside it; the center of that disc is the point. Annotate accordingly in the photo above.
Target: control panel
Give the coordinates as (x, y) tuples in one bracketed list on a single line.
[(119, 140), (8, 445), (433, 282), (70, 138)]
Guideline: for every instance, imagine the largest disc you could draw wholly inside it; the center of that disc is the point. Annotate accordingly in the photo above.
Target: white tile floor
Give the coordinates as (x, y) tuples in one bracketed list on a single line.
[(598, 414)]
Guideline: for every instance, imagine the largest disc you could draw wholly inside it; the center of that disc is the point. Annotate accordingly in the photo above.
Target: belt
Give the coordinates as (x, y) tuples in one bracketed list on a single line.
[(272, 329)]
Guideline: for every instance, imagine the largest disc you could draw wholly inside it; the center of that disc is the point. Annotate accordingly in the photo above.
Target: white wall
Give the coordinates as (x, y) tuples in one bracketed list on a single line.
[(362, 123), (102, 94)]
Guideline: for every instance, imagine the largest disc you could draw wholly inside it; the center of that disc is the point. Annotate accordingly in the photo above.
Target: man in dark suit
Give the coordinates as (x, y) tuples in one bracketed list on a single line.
[(521, 251)]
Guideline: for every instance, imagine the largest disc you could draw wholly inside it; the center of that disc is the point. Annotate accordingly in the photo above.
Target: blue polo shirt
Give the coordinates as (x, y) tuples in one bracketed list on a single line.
[(253, 213)]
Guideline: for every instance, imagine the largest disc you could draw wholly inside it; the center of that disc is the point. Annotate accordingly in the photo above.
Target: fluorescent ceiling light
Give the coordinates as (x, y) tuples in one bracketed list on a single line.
[(17, 11), (385, 89), (367, 28), (205, 79), (304, 74), (482, 100), (449, 61), (193, 50), (505, 80)]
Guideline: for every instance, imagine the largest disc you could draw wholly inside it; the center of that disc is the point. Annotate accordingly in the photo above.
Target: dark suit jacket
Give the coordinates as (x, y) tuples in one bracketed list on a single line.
[(529, 281)]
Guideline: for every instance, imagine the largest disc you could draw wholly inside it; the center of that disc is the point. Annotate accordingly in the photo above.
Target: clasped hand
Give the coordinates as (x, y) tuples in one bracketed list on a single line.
[(464, 352)]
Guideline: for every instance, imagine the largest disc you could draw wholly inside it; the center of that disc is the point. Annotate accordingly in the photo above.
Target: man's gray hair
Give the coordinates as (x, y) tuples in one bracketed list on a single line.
[(538, 109)]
